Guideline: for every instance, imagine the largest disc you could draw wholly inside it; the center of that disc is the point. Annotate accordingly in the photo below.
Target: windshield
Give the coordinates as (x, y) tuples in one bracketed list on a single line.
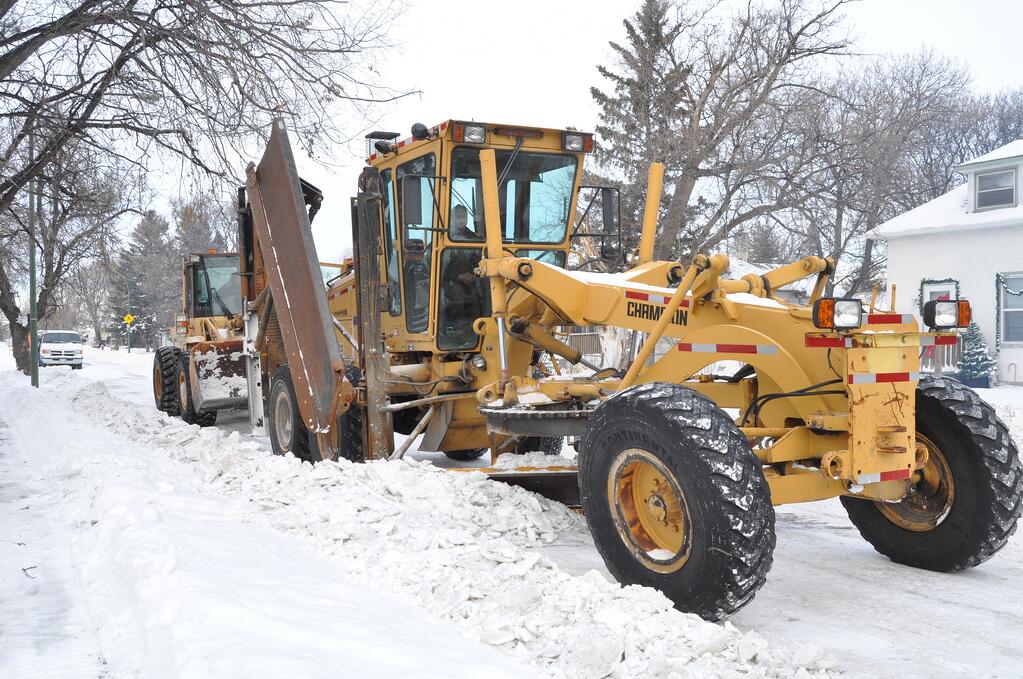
[(535, 198), (60, 338), (226, 285)]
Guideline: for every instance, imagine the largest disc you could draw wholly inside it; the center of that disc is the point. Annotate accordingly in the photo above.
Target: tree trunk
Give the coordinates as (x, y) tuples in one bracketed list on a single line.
[(19, 344)]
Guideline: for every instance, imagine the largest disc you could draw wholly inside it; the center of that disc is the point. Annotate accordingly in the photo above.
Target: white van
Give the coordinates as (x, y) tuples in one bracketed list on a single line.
[(60, 347)]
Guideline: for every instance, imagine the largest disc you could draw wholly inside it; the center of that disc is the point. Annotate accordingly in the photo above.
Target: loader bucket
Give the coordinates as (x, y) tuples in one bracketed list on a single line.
[(286, 244), (217, 370)]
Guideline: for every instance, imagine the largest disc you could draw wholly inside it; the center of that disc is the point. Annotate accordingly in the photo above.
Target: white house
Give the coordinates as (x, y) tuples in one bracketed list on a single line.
[(968, 243)]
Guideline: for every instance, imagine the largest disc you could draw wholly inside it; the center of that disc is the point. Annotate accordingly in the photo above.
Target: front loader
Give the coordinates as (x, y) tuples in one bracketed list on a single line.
[(202, 372), (447, 324)]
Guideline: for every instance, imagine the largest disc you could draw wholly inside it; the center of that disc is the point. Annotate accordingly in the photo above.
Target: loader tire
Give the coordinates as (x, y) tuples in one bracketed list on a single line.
[(187, 408), (466, 455), (165, 380), (676, 500), (288, 432), (965, 502)]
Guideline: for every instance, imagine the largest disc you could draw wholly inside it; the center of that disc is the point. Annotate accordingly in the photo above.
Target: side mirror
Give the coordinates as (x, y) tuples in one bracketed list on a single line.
[(609, 215), (411, 201)]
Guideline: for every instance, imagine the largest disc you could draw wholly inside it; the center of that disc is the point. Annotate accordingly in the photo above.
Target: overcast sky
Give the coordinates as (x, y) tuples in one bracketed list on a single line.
[(532, 62)]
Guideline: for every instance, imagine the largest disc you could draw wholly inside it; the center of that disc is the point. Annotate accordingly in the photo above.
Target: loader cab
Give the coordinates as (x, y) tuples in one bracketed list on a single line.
[(212, 286), (433, 227)]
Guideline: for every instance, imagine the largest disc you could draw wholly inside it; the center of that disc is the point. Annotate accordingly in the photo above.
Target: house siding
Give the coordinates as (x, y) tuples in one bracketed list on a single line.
[(973, 258)]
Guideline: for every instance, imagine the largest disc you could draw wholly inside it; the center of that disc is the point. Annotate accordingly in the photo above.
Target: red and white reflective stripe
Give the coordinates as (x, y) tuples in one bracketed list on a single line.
[(332, 294), (728, 348), (879, 378), (877, 477), (831, 342), (889, 319), (653, 299), (939, 340)]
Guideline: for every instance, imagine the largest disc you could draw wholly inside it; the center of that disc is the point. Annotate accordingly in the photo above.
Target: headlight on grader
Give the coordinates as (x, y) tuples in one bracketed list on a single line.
[(577, 142), (831, 313), (470, 133), (942, 314)]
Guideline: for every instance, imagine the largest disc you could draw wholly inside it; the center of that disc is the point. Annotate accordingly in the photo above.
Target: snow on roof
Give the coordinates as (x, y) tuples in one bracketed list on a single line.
[(946, 213), (1014, 149)]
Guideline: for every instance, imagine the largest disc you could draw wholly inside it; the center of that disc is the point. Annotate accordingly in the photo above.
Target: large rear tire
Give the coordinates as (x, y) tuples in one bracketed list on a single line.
[(676, 500), (165, 380), (288, 433), (548, 445), (964, 503)]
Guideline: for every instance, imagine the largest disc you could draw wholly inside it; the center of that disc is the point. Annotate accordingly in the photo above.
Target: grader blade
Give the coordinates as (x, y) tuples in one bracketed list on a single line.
[(560, 483), (293, 275)]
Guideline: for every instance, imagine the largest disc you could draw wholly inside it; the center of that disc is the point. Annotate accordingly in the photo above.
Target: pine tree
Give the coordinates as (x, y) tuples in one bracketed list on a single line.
[(976, 362), (639, 112), (146, 281)]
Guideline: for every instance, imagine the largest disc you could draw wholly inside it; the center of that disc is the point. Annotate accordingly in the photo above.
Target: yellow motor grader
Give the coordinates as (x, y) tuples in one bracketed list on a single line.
[(203, 371), (445, 321)]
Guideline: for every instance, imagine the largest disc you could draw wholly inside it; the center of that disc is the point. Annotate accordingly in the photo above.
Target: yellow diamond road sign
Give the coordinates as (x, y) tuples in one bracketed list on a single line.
[(128, 318)]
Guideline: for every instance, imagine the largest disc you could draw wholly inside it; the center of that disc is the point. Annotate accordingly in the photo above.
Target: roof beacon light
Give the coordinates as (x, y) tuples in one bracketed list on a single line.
[(830, 313)]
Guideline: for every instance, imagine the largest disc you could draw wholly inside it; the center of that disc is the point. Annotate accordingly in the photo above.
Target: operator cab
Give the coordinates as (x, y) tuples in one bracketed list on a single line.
[(432, 216), (213, 286)]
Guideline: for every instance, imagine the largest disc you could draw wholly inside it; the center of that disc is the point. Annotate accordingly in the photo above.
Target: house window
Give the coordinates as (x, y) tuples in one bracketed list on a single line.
[(1012, 307), (996, 189)]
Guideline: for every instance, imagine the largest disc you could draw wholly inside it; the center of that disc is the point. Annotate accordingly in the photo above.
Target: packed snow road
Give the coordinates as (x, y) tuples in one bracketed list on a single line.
[(153, 548)]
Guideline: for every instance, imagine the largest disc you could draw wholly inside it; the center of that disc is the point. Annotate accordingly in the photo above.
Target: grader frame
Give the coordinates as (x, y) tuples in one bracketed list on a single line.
[(816, 412)]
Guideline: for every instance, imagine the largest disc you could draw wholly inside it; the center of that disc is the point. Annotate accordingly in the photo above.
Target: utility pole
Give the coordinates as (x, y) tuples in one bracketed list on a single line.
[(129, 324), (33, 324)]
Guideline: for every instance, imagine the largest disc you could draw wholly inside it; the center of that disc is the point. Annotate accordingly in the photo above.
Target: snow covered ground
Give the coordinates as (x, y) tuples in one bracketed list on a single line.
[(133, 545)]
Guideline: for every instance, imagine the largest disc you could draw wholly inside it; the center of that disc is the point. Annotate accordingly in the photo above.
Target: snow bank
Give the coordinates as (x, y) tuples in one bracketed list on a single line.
[(458, 546)]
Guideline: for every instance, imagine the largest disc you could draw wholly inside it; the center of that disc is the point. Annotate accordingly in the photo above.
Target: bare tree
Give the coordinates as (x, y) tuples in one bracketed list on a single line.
[(78, 204), (199, 80), (880, 132), (710, 93), (89, 284), (130, 80)]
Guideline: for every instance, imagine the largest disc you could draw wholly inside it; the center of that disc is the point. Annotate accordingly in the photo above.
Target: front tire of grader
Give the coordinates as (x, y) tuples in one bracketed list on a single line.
[(964, 503), (165, 380), (676, 500)]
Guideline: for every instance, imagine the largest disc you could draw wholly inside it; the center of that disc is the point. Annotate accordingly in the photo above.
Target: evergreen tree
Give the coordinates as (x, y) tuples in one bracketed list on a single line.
[(711, 91), (202, 222), (638, 119), (976, 362), (146, 281)]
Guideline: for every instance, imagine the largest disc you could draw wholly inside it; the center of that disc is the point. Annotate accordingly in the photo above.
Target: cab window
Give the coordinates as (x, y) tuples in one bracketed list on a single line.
[(418, 240), (391, 245), (535, 199), (222, 297)]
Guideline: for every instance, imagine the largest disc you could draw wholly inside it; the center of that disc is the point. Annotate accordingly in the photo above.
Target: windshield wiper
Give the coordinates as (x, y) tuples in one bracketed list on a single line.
[(507, 168)]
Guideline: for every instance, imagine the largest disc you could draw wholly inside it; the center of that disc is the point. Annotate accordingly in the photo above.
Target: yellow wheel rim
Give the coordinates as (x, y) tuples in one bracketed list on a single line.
[(650, 511), (930, 496), (157, 380)]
